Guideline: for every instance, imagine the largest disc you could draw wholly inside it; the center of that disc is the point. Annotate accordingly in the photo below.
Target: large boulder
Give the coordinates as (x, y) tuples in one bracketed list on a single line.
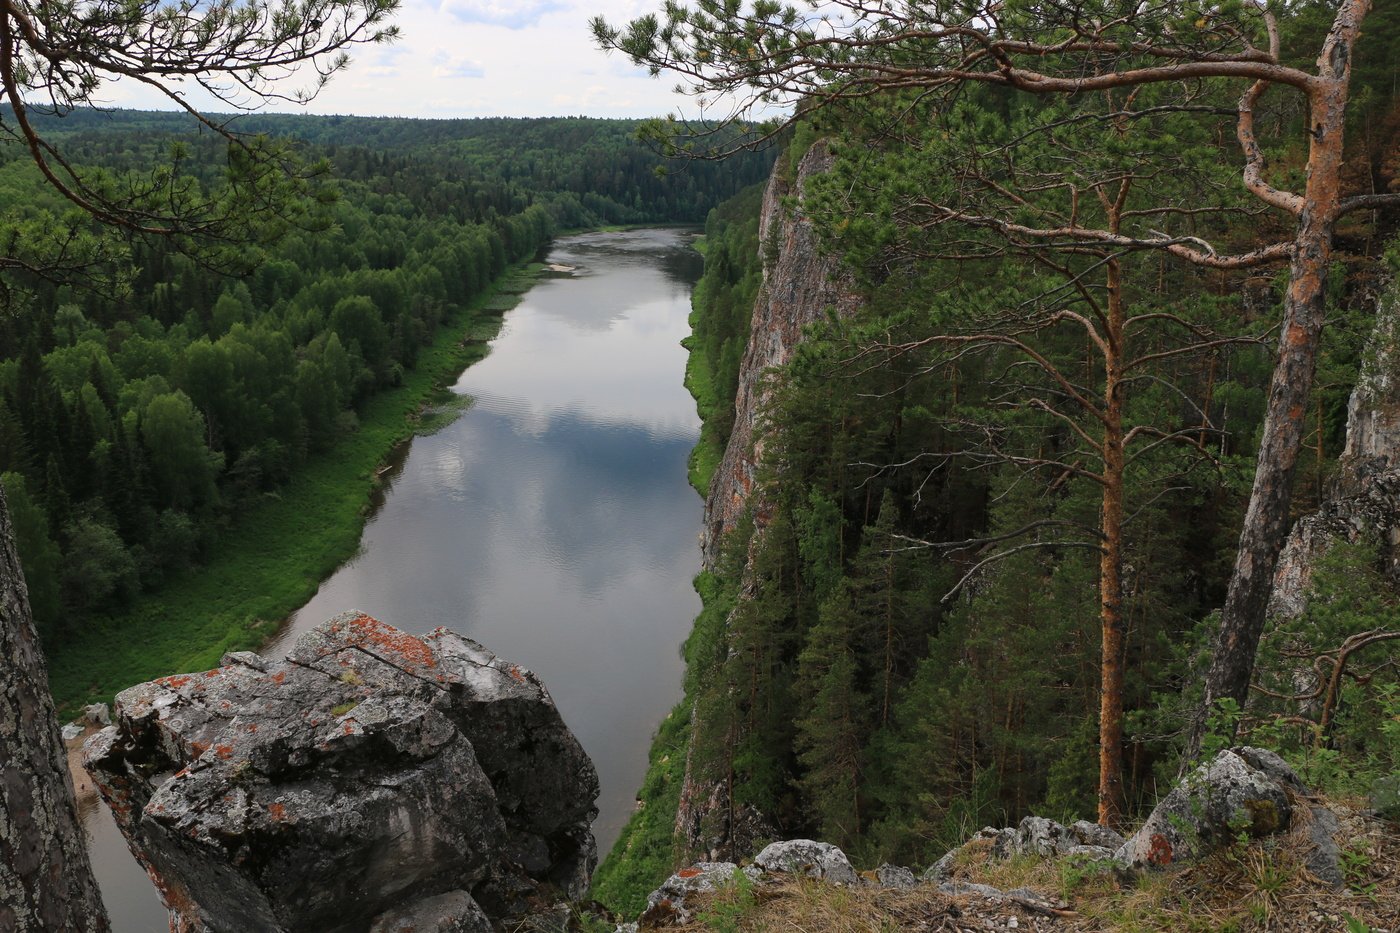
[(369, 774), (804, 857), (1242, 792)]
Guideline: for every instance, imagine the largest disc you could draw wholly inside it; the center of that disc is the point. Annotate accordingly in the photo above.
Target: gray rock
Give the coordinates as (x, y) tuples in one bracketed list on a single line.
[(895, 876), (369, 772), (98, 714), (453, 912), (1385, 797), (813, 859), (73, 731), (1025, 897), (1269, 762), (942, 869), (1003, 840), (1324, 859), (1210, 808), (1364, 503), (668, 902), (1092, 834), (1037, 835), (1089, 853)]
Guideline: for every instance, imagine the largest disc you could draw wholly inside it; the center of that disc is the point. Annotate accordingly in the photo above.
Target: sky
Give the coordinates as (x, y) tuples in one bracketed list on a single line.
[(476, 58)]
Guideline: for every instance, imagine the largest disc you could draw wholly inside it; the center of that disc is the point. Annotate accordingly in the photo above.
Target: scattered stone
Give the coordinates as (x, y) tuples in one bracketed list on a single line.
[(813, 859), (73, 731), (942, 869), (1025, 897), (895, 876), (1217, 802), (368, 774), (98, 714), (1092, 834), (1037, 835)]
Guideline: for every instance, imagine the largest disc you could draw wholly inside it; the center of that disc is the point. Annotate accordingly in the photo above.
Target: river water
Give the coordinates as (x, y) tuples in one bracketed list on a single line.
[(551, 520)]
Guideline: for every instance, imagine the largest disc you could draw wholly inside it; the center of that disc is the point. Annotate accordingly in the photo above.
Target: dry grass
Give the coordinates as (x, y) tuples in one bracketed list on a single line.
[(1260, 888)]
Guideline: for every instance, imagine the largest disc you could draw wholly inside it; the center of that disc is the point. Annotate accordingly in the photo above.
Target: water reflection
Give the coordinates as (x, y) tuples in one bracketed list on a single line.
[(552, 520)]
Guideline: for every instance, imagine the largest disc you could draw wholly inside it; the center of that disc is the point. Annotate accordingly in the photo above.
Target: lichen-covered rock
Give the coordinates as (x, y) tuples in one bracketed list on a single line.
[(1214, 805), (805, 857), (1092, 834), (368, 772), (1364, 504), (667, 904), (895, 876), (1037, 835)]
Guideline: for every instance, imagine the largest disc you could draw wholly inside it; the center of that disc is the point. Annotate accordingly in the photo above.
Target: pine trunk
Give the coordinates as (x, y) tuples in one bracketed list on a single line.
[(1111, 568), (46, 881), (1267, 517)]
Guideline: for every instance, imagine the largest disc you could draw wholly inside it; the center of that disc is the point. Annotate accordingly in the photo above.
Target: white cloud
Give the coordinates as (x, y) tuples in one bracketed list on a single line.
[(518, 15), (446, 65), (533, 59)]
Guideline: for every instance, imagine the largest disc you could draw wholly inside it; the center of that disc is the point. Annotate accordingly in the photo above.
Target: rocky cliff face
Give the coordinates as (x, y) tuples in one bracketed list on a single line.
[(370, 780), (799, 285), (1365, 503)]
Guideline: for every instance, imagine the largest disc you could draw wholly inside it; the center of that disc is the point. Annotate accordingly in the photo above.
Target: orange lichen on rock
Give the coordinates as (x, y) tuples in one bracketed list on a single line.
[(367, 630), (277, 811), (689, 873), (224, 751), (1160, 850)]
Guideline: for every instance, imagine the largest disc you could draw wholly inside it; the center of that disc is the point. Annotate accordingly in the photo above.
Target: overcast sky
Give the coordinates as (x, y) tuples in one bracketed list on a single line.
[(473, 58)]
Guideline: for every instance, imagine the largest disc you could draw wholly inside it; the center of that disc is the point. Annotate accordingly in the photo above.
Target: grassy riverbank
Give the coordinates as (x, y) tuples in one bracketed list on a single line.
[(276, 555)]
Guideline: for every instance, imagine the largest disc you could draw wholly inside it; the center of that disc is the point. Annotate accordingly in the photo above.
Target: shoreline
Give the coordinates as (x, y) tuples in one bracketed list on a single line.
[(273, 559)]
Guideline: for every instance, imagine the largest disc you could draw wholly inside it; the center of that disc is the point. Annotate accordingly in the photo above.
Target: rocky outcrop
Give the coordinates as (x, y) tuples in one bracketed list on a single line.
[(1365, 501), (800, 285), (370, 780)]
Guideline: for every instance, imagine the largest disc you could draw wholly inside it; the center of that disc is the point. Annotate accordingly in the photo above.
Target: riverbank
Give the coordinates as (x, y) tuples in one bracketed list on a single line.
[(274, 559)]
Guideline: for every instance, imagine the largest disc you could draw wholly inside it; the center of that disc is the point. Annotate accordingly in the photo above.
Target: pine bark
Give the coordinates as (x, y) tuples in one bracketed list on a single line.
[(46, 880), (1111, 567)]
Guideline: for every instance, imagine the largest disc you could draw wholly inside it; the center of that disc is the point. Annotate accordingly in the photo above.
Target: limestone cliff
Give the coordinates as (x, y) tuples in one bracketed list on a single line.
[(800, 284), (1365, 501), (371, 780)]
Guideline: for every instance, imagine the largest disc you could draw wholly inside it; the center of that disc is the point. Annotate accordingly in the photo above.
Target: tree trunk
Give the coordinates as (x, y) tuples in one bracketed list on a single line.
[(1267, 517), (1111, 568), (46, 881)]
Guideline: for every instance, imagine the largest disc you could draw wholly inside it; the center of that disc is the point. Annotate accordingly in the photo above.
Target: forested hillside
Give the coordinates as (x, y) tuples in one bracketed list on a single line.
[(180, 383), (1029, 439)]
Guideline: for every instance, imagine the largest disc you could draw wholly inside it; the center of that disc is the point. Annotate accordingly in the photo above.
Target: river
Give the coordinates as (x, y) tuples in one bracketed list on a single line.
[(550, 520)]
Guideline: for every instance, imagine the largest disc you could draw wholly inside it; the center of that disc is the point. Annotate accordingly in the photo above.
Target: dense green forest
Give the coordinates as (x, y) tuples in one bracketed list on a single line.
[(903, 645), (188, 382)]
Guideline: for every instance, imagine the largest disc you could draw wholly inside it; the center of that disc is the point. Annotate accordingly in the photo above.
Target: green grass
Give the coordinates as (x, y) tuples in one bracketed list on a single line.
[(275, 556)]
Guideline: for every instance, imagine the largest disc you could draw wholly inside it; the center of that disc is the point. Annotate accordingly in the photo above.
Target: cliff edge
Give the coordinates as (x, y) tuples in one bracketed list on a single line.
[(371, 780)]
